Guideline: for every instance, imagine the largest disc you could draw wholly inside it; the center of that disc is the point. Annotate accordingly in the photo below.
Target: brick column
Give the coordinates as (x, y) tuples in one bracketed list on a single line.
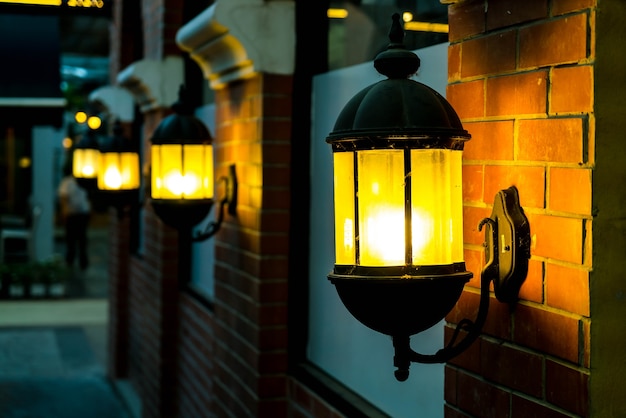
[(119, 250), (521, 79)]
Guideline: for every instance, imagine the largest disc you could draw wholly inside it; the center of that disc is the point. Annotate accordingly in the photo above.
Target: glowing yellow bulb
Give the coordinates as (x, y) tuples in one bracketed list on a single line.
[(88, 170), (113, 178), (181, 185), (384, 241), (80, 117), (94, 122)]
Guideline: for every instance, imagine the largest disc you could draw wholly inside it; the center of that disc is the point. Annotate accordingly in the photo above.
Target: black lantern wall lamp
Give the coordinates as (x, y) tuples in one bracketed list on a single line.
[(399, 267), (118, 170), (182, 183)]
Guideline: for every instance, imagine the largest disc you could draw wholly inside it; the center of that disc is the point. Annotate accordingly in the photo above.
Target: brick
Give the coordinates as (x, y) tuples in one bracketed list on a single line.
[(468, 99), (570, 190), (566, 37), (567, 289), (449, 385), (473, 183), (516, 95), (567, 388), (532, 288), (557, 237), (554, 140), (564, 98), (525, 408), (474, 264), (489, 54), (490, 140), (468, 359), (510, 12), (466, 19), (274, 84), (512, 367), (565, 6), (479, 398), (453, 413), (546, 331), (471, 218), (498, 323), (454, 62), (530, 183)]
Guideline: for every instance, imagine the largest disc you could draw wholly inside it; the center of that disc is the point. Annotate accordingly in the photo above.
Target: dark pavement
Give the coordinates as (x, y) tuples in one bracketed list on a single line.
[(53, 351)]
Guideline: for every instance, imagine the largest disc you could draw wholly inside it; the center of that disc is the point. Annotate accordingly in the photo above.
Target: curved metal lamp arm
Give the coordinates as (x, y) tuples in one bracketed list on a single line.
[(507, 248), (230, 199), (405, 355)]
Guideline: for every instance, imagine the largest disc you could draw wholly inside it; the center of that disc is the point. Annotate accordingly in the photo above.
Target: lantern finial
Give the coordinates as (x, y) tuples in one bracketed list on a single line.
[(396, 61), (396, 33), (183, 105)]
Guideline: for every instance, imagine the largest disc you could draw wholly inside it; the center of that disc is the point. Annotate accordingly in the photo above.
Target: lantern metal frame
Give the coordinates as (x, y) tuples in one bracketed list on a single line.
[(183, 128), (402, 114)]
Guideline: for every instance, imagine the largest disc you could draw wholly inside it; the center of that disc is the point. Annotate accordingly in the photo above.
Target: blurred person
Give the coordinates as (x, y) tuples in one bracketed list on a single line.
[(75, 209)]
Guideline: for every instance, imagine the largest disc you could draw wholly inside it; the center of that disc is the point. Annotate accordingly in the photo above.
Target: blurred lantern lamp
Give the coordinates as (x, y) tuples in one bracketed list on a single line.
[(85, 160), (399, 267), (118, 169), (182, 172)]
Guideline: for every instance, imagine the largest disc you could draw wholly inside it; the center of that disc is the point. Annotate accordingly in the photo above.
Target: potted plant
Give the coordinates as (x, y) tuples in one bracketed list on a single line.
[(54, 274)]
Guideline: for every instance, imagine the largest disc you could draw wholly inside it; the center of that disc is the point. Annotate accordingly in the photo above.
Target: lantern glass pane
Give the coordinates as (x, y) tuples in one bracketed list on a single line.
[(344, 207), (109, 174), (207, 181), (381, 192), (182, 171), (194, 171), (436, 207), (130, 170), (85, 163), (169, 180)]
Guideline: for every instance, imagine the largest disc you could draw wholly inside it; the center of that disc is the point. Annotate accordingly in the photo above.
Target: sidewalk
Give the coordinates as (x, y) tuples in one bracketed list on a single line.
[(53, 351)]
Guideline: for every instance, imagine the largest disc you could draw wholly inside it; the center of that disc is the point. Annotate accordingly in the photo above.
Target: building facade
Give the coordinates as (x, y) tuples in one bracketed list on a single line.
[(537, 84)]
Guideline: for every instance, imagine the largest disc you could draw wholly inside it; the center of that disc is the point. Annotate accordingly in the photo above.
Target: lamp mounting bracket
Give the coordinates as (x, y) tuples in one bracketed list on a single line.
[(507, 245), (229, 199), (507, 250)]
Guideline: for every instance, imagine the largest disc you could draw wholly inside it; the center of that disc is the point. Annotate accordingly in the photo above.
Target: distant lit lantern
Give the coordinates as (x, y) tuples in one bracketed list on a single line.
[(85, 160), (397, 157), (182, 172), (118, 169), (182, 184)]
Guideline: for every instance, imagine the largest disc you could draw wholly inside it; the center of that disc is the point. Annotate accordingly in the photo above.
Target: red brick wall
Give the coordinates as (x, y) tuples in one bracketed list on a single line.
[(150, 284), (250, 316), (521, 79), (126, 38), (161, 21)]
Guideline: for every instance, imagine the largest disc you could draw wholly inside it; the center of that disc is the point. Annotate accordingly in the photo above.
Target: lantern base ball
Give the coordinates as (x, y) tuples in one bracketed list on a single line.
[(402, 306)]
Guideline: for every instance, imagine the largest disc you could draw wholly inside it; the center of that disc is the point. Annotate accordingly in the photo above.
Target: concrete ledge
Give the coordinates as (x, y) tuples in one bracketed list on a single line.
[(54, 312)]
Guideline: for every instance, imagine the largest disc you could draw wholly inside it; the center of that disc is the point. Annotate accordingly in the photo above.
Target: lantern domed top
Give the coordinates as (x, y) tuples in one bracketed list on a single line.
[(398, 107), (181, 127)]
